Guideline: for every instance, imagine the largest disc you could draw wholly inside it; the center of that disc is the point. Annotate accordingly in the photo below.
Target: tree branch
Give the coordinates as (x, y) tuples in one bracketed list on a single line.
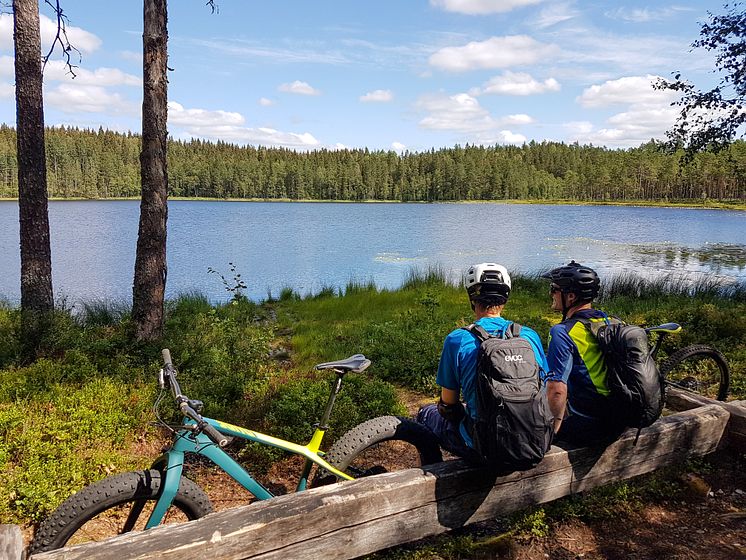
[(61, 38)]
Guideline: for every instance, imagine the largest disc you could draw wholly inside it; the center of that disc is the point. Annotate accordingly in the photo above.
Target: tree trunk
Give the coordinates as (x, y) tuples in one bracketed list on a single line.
[(150, 261), (37, 299)]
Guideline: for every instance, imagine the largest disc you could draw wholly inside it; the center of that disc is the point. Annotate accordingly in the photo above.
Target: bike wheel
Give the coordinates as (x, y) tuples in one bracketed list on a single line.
[(383, 444), (102, 510), (698, 368)]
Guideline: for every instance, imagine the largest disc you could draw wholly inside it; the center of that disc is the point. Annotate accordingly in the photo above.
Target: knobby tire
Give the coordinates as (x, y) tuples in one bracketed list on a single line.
[(353, 444), (108, 494), (693, 353)]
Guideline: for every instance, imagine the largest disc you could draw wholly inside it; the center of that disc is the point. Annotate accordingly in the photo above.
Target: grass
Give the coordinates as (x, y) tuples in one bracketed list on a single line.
[(83, 409)]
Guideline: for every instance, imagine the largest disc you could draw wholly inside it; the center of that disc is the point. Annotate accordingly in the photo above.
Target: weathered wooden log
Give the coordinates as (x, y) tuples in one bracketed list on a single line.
[(11, 542), (354, 518), (736, 428)]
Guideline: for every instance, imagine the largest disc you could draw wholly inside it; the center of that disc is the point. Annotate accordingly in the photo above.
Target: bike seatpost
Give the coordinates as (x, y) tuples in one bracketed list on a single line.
[(330, 403)]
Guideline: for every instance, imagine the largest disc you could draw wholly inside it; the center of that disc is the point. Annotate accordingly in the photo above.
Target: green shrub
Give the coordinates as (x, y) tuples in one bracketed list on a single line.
[(297, 405), (53, 446), (405, 349)]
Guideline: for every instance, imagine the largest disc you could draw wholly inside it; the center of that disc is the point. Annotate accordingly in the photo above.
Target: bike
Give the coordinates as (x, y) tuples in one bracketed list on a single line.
[(696, 368), (134, 501)]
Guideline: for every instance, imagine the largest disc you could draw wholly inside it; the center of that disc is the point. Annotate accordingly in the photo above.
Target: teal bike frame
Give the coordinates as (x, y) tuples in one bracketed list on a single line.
[(193, 437)]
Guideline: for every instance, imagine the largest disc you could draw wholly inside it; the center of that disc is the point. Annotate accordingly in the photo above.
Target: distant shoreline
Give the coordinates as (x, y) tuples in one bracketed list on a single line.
[(707, 205)]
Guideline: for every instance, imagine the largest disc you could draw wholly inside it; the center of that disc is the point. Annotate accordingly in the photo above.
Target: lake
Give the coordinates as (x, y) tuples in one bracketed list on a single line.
[(309, 246)]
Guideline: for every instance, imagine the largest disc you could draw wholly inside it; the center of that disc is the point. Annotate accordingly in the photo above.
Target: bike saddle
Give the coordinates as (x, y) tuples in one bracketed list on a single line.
[(356, 363), (665, 327)]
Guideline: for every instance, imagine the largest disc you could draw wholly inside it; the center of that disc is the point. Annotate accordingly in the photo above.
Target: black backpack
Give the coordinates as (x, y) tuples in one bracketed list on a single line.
[(635, 384), (513, 428)]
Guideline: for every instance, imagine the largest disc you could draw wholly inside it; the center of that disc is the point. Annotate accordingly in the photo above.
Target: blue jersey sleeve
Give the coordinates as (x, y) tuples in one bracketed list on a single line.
[(448, 366), (535, 341), (560, 354)]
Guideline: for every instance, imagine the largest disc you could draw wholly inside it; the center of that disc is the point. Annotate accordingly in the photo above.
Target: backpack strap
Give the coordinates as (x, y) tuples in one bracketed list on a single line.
[(514, 330), (511, 331), (478, 332)]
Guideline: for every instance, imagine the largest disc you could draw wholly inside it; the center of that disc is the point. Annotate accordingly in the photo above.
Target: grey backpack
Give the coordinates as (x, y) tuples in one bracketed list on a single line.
[(513, 428)]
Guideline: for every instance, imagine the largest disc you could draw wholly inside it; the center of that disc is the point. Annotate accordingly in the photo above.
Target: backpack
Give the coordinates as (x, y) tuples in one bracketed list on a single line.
[(513, 428), (635, 385)]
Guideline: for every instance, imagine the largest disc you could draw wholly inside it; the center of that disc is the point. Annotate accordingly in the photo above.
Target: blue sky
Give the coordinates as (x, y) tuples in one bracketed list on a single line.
[(403, 75)]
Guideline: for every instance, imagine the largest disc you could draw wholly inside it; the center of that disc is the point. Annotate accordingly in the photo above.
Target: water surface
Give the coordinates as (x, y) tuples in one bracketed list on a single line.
[(309, 246)]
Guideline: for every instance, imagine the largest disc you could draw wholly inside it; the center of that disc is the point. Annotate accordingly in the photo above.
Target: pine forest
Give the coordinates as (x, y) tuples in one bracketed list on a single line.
[(105, 164)]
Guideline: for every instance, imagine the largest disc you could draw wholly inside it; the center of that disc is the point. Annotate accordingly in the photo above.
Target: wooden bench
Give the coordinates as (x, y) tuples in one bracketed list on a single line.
[(354, 518)]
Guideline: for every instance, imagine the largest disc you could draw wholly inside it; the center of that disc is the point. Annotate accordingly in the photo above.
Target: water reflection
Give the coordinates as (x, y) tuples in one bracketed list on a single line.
[(718, 258)]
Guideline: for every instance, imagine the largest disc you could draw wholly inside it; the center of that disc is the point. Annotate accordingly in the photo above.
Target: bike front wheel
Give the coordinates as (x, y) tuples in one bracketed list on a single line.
[(698, 368), (115, 505), (383, 444)]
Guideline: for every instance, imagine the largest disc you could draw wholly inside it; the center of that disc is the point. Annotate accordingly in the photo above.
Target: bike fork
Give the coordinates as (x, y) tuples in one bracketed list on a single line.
[(171, 477)]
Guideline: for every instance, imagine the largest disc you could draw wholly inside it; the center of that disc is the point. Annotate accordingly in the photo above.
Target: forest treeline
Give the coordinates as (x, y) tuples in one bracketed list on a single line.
[(104, 164)]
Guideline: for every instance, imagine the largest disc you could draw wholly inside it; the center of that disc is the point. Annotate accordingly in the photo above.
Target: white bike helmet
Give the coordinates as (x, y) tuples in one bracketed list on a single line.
[(488, 284)]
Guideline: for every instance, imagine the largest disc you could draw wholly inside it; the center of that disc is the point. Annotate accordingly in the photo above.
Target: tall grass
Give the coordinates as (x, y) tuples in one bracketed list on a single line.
[(432, 275)]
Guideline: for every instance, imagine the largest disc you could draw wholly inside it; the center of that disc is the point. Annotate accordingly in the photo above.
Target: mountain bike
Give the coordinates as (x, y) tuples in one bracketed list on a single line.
[(696, 368), (376, 446), (135, 501)]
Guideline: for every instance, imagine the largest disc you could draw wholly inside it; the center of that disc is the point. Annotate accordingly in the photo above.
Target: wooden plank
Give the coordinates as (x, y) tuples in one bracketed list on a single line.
[(736, 428), (11, 543), (354, 518)]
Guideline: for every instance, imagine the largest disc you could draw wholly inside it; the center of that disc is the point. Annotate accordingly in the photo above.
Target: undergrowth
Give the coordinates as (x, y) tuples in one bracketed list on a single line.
[(82, 409)]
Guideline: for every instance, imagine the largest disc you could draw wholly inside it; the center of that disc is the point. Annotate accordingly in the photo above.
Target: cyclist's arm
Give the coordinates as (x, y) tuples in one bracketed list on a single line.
[(449, 405), (560, 362), (557, 397)]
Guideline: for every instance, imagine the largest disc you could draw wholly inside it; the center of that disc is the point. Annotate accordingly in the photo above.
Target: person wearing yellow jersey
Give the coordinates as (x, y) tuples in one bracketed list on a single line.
[(576, 381)]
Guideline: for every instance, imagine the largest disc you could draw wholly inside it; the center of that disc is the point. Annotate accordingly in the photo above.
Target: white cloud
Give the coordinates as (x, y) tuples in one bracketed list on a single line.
[(579, 128), (554, 14), (379, 95), (398, 147), (56, 70), (227, 126), (517, 83), (644, 15), (630, 89), (460, 112), (516, 119), (463, 113), (178, 115), (474, 7), (496, 52), (265, 102), (300, 88), (507, 137), (648, 113), (82, 40), (73, 98)]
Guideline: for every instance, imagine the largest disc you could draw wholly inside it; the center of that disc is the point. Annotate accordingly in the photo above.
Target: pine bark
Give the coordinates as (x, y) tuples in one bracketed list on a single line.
[(36, 255), (150, 261)]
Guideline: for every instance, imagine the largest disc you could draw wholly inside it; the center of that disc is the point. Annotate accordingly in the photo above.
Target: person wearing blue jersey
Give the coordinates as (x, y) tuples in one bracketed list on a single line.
[(488, 286), (576, 382)]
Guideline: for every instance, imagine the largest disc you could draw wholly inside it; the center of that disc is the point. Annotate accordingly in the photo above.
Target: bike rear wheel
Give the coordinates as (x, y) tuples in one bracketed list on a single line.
[(383, 444), (698, 368), (103, 510)]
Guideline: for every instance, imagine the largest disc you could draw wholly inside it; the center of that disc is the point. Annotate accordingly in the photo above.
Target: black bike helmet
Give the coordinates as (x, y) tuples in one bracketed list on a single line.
[(575, 279)]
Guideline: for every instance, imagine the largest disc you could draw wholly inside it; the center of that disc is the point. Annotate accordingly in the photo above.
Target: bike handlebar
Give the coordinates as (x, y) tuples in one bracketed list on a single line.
[(169, 374)]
